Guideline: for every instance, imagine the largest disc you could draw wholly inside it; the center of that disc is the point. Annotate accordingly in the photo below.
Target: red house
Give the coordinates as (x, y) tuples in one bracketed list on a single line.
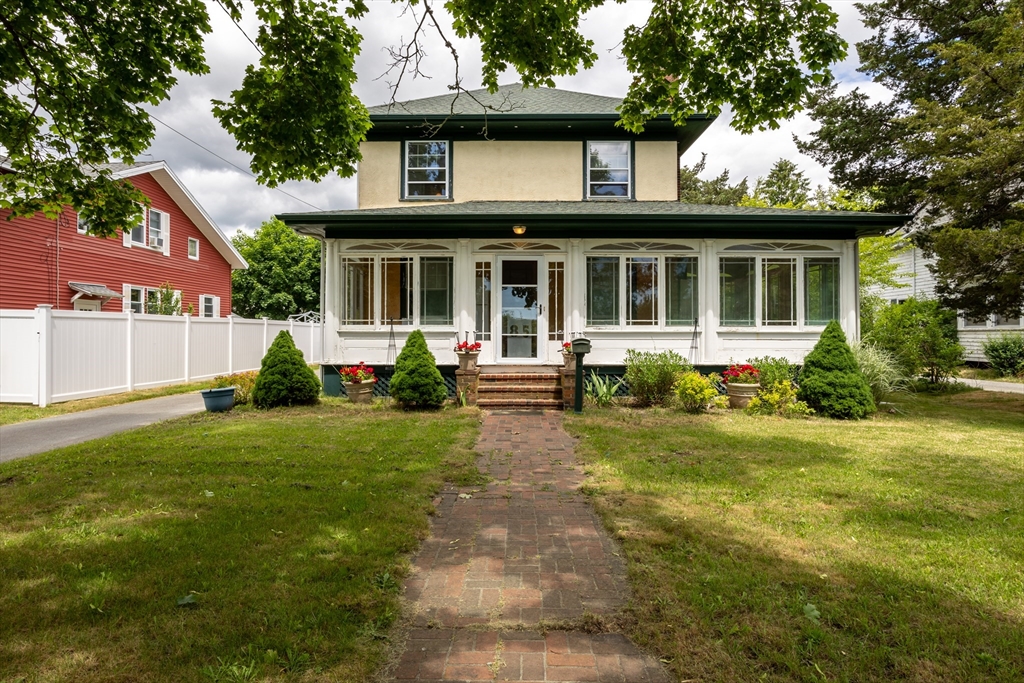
[(44, 261)]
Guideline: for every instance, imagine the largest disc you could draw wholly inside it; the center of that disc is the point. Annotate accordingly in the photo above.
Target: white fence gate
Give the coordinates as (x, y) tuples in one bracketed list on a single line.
[(49, 356)]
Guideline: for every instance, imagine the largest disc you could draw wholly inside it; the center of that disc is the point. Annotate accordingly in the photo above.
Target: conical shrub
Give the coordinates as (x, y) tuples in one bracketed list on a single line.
[(830, 381), (417, 382), (285, 379)]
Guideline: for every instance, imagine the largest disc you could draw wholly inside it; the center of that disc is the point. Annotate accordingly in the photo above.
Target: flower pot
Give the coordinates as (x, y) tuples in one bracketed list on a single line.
[(740, 394), (218, 400), (467, 360), (359, 393), (570, 361)]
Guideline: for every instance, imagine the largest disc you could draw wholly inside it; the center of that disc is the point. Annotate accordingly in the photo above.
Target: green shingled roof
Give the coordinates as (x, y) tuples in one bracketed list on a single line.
[(510, 99)]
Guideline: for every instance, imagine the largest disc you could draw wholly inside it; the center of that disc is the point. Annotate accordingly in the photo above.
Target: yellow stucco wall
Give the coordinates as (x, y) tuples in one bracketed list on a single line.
[(657, 171), (380, 174), (517, 170)]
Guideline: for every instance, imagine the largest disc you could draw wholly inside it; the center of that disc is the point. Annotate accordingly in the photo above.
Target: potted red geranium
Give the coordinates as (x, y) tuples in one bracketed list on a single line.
[(568, 357), (742, 383), (467, 354), (358, 381)]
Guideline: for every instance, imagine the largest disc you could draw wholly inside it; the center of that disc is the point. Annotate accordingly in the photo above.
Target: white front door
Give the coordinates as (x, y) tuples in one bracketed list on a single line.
[(88, 305), (522, 328)]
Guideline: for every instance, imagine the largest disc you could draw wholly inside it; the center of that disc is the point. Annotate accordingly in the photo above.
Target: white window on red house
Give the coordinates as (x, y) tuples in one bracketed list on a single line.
[(83, 225), (137, 299), (209, 306), (193, 248), (157, 228), (139, 230)]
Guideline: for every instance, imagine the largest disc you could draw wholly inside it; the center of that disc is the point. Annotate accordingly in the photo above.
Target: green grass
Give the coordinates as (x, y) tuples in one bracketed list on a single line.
[(284, 531), (810, 550), (21, 412)]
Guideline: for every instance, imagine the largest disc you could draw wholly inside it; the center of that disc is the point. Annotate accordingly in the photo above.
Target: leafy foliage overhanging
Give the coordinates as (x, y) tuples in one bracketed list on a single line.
[(949, 144), (296, 113)]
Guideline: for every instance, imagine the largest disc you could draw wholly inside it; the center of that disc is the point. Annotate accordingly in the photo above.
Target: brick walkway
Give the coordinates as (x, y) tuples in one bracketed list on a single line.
[(499, 562)]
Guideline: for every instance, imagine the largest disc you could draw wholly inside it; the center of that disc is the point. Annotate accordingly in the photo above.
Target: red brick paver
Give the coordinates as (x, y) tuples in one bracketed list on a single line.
[(524, 549)]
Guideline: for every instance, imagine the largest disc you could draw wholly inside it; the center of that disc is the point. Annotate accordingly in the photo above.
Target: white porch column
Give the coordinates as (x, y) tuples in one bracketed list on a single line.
[(849, 298), (44, 326), (576, 274), (709, 301), (465, 304)]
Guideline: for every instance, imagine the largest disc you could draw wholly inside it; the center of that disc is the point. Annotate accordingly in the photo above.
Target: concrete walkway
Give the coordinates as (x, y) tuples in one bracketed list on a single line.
[(38, 436), (992, 385), (499, 562)]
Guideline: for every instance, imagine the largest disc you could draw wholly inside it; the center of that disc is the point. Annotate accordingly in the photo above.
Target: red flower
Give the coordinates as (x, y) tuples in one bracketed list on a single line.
[(741, 374), (357, 374), (466, 347)]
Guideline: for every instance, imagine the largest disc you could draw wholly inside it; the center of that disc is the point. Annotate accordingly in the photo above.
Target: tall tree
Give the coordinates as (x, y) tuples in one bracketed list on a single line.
[(785, 186), (948, 146), (283, 277), (694, 190), (76, 74)]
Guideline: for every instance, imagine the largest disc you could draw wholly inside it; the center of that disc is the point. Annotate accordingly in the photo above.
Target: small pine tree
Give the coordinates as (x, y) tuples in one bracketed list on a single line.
[(417, 382), (830, 381), (284, 378)]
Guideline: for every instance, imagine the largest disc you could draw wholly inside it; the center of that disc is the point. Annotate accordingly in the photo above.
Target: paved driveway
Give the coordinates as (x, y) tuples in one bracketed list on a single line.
[(989, 385)]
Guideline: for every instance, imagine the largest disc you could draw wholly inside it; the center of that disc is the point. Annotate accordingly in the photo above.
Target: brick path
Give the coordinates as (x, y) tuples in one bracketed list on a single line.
[(499, 562)]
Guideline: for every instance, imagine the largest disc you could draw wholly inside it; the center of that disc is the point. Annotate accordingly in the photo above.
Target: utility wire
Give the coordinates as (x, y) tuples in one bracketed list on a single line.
[(245, 171), (240, 27)]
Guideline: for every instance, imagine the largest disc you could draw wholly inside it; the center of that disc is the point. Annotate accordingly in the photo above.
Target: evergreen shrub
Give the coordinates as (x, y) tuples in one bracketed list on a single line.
[(417, 383), (922, 336), (1005, 353), (285, 379), (651, 376), (830, 381)]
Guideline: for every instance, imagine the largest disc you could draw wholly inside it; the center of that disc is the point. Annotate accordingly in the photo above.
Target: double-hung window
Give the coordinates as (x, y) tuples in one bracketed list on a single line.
[(609, 170), (762, 290), (157, 228), (414, 290), (641, 290), (139, 230), (137, 299), (427, 170), (193, 249)]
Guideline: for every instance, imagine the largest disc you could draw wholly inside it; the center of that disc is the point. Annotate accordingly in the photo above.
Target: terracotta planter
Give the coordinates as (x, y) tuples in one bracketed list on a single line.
[(570, 361), (740, 394), (359, 393), (467, 360)]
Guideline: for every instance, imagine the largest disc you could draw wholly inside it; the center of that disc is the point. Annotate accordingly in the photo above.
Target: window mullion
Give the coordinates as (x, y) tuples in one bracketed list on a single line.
[(623, 291)]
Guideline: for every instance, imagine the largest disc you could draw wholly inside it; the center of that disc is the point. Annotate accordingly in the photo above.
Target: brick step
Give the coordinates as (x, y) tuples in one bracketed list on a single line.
[(530, 378), (521, 403), (497, 388)]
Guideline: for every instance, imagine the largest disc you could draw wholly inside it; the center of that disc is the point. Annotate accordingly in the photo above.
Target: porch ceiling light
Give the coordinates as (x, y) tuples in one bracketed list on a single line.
[(519, 229)]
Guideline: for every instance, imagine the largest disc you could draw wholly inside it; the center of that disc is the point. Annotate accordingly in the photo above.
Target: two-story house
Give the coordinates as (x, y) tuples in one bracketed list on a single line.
[(524, 228), (55, 261)]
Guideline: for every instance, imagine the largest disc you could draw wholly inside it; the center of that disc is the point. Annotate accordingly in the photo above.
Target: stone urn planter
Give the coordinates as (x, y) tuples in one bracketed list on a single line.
[(359, 392), (218, 400), (467, 360), (570, 362), (740, 394)]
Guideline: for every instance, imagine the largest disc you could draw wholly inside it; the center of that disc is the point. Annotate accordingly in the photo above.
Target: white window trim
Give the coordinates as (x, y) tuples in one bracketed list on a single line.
[(378, 294), (662, 322), (145, 229), (801, 295), (81, 225), (214, 305), (629, 172), (142, 297), (191, 241), (164, 224), (447, 173)]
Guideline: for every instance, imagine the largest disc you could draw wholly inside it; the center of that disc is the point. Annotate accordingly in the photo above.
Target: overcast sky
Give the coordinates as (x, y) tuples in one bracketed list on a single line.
[(236, 201)]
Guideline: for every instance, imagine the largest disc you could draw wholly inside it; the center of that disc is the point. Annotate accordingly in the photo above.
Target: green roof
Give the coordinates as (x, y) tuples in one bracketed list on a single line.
[(511, 99), (592, 219)]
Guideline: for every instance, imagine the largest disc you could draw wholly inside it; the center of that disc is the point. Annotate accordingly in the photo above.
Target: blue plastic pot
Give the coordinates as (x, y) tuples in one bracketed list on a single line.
[(219, 400)]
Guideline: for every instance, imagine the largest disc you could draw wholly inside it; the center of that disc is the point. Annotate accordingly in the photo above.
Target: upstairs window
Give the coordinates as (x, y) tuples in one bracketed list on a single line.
[(157, 223), (609, 168), (193, 248), (427, 170), (139, 230)]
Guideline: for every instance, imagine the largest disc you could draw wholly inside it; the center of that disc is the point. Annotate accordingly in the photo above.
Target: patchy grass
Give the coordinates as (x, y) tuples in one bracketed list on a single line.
[(989, 374), (812, 550), (21, 412), (246, 546)]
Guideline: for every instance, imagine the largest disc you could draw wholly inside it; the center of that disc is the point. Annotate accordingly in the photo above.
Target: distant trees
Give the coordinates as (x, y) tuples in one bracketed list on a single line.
[(283, 277), (694, 190)]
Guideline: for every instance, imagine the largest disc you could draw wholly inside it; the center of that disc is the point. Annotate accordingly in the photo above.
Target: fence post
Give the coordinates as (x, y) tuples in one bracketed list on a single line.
[(266, 321), (188, 347), (291, 331), (231, 345), (44, 390), (130, 351)]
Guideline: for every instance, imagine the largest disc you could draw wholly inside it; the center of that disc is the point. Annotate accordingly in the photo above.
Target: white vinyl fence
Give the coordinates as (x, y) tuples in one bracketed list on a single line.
[(49, 356)]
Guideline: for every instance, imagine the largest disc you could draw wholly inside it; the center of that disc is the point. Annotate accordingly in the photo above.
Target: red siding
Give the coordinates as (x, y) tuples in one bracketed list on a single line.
[(31, 272)]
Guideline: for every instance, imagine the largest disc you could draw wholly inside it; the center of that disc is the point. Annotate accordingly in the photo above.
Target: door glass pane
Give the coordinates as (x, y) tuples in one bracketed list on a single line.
[(396, 282), (602, 290), (483, 300), (778, 286), (821, 290), (436, 290), (681, 295), (519, 309), (556, 301), (736, 292), (357, 291), (642, 280)]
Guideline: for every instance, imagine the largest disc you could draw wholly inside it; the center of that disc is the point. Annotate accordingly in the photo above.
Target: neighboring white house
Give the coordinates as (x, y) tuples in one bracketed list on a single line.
[(558, 223), (920, 283)]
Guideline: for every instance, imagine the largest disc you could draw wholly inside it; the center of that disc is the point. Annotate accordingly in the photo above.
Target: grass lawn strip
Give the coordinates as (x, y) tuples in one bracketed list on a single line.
[(11, 413), (812, 550), (246, 546)]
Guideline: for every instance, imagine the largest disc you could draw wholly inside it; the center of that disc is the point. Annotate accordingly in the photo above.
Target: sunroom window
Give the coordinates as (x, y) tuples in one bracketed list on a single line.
[(821, 290), (482, 288), (777, 283), (681, 303), (737, 283), (627, 290), (778, 291), (642, 292), (608, 170), (413, 290), (396, 285), (427, 170), (357, 291), (436, 274), (602, 290)]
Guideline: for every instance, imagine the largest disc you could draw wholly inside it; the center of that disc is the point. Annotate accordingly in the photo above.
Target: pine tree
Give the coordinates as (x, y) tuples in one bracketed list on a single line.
[(417, 382), (284, 378), (830, 381)]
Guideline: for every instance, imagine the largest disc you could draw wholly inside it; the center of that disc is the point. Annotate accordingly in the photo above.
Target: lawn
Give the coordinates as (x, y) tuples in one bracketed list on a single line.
[(817, 550), (248, 546), (20, 412)]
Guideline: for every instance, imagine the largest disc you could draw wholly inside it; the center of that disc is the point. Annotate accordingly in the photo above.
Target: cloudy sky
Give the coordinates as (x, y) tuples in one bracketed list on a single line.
[(236, 201)]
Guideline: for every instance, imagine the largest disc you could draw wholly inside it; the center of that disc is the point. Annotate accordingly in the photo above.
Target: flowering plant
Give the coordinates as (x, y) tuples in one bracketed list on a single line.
[(741, 374), (466, 347), (567, 348), (357, 374)]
